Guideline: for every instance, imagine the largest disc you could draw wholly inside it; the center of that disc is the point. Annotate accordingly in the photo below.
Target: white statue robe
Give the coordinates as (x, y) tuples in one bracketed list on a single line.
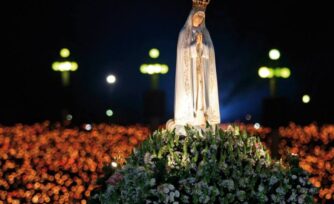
[(196, 102)]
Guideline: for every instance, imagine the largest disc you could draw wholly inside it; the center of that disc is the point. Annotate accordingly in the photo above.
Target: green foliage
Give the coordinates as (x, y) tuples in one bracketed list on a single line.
[(211, 166)]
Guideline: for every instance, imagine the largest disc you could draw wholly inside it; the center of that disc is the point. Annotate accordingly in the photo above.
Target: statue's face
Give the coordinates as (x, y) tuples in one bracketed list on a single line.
[(198, 18)]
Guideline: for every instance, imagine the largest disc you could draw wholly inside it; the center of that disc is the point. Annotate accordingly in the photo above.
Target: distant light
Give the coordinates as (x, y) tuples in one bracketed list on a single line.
[(164, 69), (264, 72), (114, 164), (69, 117), (111, 79), (285, 73), (109, 113), (55, 66), (88, 127), (154, 53), (74, 66), (274, 54), (248, 117), (306, 99), (154, 69), (257, 126), (277, 72), (64, 53), (65, 66)]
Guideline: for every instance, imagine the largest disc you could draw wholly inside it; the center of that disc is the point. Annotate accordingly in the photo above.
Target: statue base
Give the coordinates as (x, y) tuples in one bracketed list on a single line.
[(180, 129)]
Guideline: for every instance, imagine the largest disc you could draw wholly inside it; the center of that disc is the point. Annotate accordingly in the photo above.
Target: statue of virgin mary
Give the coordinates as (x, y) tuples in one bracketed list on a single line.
[(196, 91)]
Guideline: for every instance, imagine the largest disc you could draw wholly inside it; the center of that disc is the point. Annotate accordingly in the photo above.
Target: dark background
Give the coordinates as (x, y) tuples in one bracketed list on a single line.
[(114, 36)]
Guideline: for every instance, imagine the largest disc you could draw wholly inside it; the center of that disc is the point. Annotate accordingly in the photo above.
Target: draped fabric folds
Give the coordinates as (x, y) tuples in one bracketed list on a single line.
[(196, 91)]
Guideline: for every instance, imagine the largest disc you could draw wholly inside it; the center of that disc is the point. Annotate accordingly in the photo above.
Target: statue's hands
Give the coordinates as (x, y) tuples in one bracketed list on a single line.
[(199, 38)]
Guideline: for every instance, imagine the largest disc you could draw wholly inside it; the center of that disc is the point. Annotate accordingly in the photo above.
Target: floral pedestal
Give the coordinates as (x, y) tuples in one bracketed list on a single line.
[(214, 166)]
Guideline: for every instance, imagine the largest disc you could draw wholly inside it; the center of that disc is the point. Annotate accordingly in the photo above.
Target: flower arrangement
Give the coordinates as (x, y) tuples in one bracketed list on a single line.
[(251, 129), (212, 166), (46, 163)]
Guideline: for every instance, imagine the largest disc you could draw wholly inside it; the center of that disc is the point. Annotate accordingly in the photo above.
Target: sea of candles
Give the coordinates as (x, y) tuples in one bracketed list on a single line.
[(314, 146), (45, 163)]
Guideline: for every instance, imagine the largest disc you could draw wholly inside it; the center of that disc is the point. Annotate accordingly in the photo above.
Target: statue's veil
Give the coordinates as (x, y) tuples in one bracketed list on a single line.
[(189, 36), (184, 99)]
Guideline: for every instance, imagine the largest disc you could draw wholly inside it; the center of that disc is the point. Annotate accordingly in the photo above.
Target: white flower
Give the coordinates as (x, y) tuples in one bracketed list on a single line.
[(177, 193), (286, 181), (229, 184), (171, 196), (152, 182), (207, 199), (240, 143), (185, 199), (230, 129), (273, 180), (301, 199), (191, 180), (280, 191), (302, 181), (273, 197), (135, 151), (292, 197), (261, 188), (166, 190), (147, 158), (171, 187)]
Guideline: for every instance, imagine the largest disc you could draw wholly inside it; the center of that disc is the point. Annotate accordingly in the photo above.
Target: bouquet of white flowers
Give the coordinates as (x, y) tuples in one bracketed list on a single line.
[(212, 166)]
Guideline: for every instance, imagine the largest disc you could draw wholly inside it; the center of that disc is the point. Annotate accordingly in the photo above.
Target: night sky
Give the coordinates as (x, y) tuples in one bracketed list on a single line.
[(114, 36)]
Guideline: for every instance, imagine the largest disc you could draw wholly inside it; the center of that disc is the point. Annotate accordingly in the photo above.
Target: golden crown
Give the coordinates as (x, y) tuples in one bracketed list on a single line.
[(202, 4)]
